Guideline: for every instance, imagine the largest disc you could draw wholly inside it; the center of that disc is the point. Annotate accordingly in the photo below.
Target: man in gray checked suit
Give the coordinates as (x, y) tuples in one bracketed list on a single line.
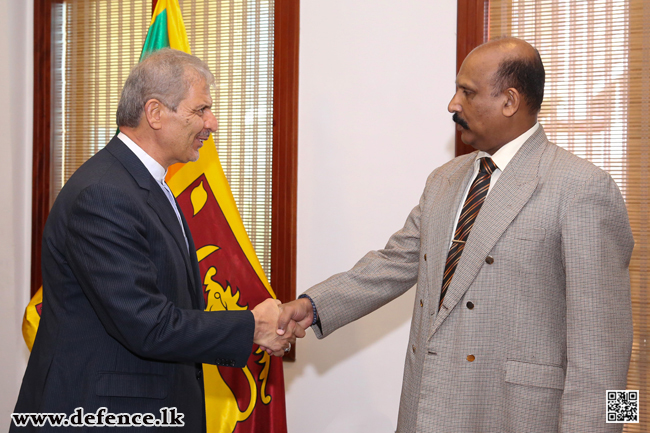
[(522, 318)]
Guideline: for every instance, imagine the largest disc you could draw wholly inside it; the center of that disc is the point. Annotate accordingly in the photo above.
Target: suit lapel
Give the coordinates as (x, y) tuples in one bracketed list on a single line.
[(159, 203), (443, 210), (506, 199), (196, 273)]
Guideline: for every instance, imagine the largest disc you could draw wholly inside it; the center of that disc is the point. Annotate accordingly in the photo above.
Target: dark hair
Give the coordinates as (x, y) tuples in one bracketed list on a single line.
[(525, 74)]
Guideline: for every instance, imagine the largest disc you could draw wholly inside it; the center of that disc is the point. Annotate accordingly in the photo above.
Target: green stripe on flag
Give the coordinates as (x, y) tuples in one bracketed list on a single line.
[(157, 36)]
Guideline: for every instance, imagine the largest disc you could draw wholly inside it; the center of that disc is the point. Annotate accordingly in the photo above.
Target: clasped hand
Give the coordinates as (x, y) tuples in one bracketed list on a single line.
[(278, 325)]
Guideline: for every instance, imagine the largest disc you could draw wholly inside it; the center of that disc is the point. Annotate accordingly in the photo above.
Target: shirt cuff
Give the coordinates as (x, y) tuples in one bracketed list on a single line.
[(313, 306)]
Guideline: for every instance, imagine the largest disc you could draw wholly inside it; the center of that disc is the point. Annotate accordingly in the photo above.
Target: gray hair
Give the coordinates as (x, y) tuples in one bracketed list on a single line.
[(165, 75)]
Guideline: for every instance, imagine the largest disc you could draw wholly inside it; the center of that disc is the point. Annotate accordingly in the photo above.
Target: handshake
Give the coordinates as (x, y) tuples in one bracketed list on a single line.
[(278, 325)]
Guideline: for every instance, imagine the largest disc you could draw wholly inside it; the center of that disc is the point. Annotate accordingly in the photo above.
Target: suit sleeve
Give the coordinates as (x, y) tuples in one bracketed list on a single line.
[(378, 278), (596, 246), (108, 251)]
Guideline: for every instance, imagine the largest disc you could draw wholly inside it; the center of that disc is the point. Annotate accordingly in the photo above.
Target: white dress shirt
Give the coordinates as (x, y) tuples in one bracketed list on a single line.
[(158, 172), (501, 159)]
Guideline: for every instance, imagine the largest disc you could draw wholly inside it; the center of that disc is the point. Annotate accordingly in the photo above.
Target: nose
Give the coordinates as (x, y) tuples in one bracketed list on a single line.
[(454, 106), (210, 121)]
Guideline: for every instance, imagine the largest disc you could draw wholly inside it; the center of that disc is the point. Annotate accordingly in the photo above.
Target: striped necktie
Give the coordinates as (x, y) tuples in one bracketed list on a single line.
[(475, 198)]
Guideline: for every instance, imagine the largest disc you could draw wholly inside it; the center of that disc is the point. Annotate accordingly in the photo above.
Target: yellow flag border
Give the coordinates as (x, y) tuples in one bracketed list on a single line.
[(208, 163), (175, 25), (210, 166)]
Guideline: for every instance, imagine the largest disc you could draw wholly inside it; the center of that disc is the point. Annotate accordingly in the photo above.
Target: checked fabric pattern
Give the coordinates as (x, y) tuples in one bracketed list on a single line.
[(475, 198), (549, 272)]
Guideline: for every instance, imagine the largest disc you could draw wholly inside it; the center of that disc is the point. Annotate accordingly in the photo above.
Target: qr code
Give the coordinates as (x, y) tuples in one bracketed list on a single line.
[(622, 406)]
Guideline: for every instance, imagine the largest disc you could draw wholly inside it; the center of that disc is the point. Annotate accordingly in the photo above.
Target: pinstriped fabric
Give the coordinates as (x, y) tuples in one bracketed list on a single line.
[(475, 198), (123, 325)]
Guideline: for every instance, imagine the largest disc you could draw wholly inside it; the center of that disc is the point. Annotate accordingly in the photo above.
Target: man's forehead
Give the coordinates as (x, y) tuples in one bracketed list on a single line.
[(463, 81), (199, 89), (469, 78), (477, 68)]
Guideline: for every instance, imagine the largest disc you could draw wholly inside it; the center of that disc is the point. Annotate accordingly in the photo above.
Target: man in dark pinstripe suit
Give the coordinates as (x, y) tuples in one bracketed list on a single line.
[(123, 325)]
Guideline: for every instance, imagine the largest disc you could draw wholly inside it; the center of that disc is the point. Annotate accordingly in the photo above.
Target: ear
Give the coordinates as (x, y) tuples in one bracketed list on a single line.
[(512, 102), (153, 112)]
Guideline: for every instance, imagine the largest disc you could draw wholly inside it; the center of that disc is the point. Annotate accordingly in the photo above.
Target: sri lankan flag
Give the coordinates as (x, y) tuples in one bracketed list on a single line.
[(237, 400)]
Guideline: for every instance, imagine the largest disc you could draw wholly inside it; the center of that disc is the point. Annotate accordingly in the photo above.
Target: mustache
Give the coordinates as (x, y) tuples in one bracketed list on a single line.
[(203, 135), (462, 122)]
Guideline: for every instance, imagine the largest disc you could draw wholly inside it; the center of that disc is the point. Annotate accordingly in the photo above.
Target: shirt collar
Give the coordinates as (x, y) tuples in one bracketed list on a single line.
[(157, 171), (502, 157)]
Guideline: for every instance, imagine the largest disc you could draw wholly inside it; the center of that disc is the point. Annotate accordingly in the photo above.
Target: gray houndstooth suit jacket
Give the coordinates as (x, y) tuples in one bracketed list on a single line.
[(540, 299)]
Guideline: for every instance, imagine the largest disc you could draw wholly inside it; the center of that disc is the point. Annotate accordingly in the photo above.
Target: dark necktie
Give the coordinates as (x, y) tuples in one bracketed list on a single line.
[(475, 198)]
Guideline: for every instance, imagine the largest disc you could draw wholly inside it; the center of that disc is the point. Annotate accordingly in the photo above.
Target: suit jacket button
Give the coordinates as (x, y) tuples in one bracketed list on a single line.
[(199, 374), (421, 303), (413, 347), (471, 358), (489, 260), (470, 305)]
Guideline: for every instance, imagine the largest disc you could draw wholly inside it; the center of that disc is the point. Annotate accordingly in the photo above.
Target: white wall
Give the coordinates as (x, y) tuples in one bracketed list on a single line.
[(375, 80), (16, 47)]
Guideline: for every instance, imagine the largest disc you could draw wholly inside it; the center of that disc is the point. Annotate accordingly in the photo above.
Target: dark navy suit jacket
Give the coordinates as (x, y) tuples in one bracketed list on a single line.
[(123, 325)]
